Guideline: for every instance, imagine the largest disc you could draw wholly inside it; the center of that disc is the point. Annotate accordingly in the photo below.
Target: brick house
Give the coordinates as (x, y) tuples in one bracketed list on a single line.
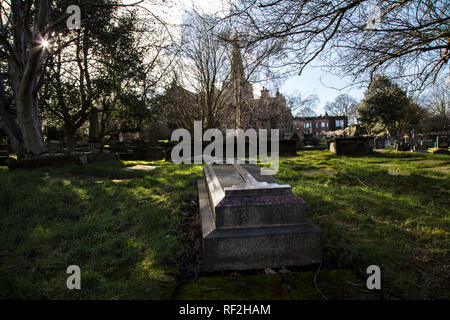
[(320, 124)]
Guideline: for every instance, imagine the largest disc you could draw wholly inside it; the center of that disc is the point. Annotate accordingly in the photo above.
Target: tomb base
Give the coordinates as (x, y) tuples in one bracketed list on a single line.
[(256, 247)]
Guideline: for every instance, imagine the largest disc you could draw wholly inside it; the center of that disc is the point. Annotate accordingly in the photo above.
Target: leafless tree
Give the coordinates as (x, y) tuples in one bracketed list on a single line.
[(203, 70), (209, 47), (343, 105), (408, 40), (302, 106), (437, 100)]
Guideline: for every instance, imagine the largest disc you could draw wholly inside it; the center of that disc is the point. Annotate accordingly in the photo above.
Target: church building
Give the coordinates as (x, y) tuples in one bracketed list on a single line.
[(239, 108), (246, 111)]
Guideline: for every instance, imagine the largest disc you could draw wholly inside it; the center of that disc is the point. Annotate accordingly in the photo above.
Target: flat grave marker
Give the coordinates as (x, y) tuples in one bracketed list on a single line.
[(250, 221)]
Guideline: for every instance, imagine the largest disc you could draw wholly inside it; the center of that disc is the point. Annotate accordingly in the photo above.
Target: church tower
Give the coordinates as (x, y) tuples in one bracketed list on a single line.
[(237, 66), (237, 76), (242, 90)]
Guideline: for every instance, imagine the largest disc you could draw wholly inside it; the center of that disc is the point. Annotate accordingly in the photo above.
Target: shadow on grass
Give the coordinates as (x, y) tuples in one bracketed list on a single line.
[(369, 216), (123, 236)]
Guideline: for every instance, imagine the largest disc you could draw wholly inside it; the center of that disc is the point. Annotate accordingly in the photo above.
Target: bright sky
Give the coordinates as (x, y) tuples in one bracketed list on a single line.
[(312, 81)]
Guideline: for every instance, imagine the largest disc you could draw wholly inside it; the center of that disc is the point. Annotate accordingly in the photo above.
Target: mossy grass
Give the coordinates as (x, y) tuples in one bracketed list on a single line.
[(132, 241)]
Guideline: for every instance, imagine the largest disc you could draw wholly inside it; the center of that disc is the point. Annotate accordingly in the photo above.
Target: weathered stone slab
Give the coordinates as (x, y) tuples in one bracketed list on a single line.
[(250, 221), (420, 148), (402, 146), (351, 146), (380, 142), (92, 145), (239, 199), (427, 143), (140, 168), (48, 161), (99, 156), (441, 151), (442, 142)]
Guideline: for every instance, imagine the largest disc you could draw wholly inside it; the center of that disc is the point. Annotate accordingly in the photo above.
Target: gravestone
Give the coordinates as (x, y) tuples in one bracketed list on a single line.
[(93, 145), (380, 142), (48, 160), (288, 147), (4, 153), (93, 156), (118, 147), (420, 148), (442, 145), (53, 146), (427, 143), (148, 152), (387, 143), (249, 221), (442, 142), (402, 146), (441, 151), (351, 146)]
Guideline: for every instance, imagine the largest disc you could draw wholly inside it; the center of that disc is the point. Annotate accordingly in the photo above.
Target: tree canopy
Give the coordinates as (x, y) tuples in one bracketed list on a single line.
[(406, 40), (387, 105)]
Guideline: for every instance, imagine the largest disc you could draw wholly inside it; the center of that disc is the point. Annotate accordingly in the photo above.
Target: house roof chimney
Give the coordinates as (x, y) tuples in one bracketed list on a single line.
[(264, 93)]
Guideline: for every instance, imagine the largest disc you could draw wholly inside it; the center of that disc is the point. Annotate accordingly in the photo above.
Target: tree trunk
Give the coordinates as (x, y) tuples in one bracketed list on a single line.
[(8, 124), (24, 71), (94, 126), (70, 134), (27, 114)]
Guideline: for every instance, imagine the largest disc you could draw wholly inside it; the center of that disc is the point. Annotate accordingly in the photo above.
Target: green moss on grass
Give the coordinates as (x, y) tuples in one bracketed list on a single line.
[(127, 237), (256, 287)]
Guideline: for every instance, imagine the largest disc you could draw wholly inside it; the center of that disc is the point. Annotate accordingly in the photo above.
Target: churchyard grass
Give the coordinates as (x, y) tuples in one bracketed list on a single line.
[(130, 231)]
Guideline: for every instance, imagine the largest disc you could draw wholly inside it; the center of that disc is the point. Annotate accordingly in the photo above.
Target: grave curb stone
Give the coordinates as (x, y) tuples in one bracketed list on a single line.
[(239, 245)]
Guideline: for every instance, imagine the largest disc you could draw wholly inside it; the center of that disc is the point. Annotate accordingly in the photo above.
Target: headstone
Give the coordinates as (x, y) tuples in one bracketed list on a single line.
[(402, 146), (288, 147), (53, 146), (420, 148), (11, 163), (441, 151), (4, 153), (48, 160), (118, 147), (427, 143), (351, 146), (93, 145), (83, 159), (140, 168), (380, 142), (93, 156), (442, 142), (249, 221)]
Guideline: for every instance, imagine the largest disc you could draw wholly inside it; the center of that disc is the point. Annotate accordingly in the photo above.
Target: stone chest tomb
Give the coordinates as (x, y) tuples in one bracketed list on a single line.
[(249, 221), (351, 146)]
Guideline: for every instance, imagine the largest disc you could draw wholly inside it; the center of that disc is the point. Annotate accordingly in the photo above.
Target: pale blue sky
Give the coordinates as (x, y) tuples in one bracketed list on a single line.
[(319, 82)]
